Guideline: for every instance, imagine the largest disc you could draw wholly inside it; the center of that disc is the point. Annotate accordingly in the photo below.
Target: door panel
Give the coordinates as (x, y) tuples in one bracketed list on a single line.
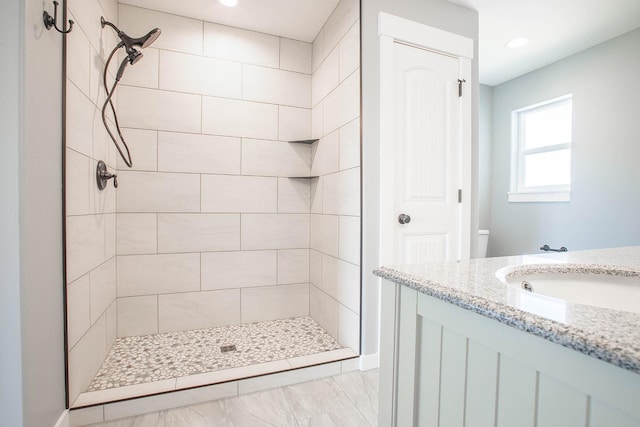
[(422, 248), (427, 155)]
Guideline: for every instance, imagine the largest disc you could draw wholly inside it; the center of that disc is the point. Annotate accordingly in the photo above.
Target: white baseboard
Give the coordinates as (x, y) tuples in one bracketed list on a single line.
[(63, 421), (369, 361)]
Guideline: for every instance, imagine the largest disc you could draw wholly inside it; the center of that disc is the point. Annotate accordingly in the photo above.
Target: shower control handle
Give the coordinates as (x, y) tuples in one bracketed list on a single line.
[(404, 219), (103, 175)]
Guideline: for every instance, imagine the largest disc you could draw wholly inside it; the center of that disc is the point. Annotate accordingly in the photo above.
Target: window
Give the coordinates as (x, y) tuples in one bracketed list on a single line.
[(541, 152)]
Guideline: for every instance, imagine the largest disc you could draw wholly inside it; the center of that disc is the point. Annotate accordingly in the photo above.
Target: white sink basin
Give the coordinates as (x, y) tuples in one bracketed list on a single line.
[(599, 286)]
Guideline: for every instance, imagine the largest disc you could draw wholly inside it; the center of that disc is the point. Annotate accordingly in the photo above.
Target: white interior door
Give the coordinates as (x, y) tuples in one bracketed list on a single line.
[(427, 156)]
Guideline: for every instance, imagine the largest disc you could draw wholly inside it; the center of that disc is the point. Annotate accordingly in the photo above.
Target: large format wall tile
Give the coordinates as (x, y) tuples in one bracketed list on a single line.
[(85, 244), (341, 193), (80, 129), (232, 117), (240, 45), (145, 71), (317, 121), (294, 123), (199, 75), (198, 232), (79, 180), (158, 109), (342, 18), (325, 154), (226, 270), (275, 231), (294, 195), (158, 192), (87, 356), (137, 234), (103, 288), (324, 310), (184, 152), (178, 33), (341, 280), (317, 51), (78, 309), (79, 64), (103, 147), (325, 78), (275, 158), (87, 16), (222, 193), (158, 274), (350, 145), (350, 52), (198, 310), (316, 195), (274, 302), (276, 86), (324, 234), (143, 146), (349, 328), (295, 55), (137, 316), (349, 239), (293, 266), (209, 212), (343, 104), (315, 268)]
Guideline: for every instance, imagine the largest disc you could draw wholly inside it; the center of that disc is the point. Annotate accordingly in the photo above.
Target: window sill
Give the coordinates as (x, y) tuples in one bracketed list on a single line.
[(540, 196)]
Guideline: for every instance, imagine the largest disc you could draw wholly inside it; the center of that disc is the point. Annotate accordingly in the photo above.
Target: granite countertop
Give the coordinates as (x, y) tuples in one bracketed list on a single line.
[(609, 335)]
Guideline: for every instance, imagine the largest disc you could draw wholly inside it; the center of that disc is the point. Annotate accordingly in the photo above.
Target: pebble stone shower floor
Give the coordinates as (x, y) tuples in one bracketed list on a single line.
[(143, 359)]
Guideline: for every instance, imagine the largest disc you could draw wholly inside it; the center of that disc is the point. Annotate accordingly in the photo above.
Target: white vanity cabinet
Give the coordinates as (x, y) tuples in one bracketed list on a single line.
[(443, 365)]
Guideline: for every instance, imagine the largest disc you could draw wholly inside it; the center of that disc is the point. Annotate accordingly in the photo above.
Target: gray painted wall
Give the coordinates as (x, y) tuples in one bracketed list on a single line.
[(10, 355), (605, 197), (436, 13), (485, 138), (41, 222), (32, 357)]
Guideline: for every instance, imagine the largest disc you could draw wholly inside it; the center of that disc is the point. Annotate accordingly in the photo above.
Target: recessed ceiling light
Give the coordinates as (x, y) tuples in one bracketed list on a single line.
[(516, 43), (230, 3)]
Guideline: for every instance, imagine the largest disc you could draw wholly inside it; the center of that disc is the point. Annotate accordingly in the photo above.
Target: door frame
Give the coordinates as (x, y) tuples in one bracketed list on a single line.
[(392, 29)]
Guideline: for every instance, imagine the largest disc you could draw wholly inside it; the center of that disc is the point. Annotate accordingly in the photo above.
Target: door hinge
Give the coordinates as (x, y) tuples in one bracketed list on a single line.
[(460, 87), (460, 195)]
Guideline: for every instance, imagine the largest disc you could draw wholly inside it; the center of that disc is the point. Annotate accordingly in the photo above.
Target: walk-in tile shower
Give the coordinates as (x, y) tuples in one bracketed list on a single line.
[(231, 247)]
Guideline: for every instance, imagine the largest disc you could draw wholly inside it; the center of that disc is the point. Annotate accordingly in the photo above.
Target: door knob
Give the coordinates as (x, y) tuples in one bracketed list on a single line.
[(404, 219)]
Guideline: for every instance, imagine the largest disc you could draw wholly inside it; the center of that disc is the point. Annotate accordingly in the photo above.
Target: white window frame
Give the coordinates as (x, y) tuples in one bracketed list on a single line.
[(520, 193)]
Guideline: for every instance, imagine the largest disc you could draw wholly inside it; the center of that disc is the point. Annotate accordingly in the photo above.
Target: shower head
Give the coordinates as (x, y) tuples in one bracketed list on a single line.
[(130, 42), (132, 46), (132, 58)]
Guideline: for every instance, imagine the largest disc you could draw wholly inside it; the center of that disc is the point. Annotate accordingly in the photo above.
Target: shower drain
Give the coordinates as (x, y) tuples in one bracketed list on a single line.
[(228, 348)]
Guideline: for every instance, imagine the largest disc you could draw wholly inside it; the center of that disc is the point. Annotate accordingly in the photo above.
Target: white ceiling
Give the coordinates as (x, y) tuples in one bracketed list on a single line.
[(295, 19), (555, 29)]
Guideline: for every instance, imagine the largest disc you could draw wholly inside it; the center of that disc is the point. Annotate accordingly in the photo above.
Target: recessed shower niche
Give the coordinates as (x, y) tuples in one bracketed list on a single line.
[(228, 250)]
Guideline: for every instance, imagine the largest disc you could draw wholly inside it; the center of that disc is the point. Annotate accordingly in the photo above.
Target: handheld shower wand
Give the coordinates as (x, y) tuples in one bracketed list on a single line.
[(131, 46)]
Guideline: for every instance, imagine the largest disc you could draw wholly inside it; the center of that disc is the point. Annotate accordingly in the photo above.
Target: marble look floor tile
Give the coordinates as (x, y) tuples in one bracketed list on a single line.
[(315, 398), (210, 414), (265, 408), (347, 417), (309, 404), (360, 387)]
